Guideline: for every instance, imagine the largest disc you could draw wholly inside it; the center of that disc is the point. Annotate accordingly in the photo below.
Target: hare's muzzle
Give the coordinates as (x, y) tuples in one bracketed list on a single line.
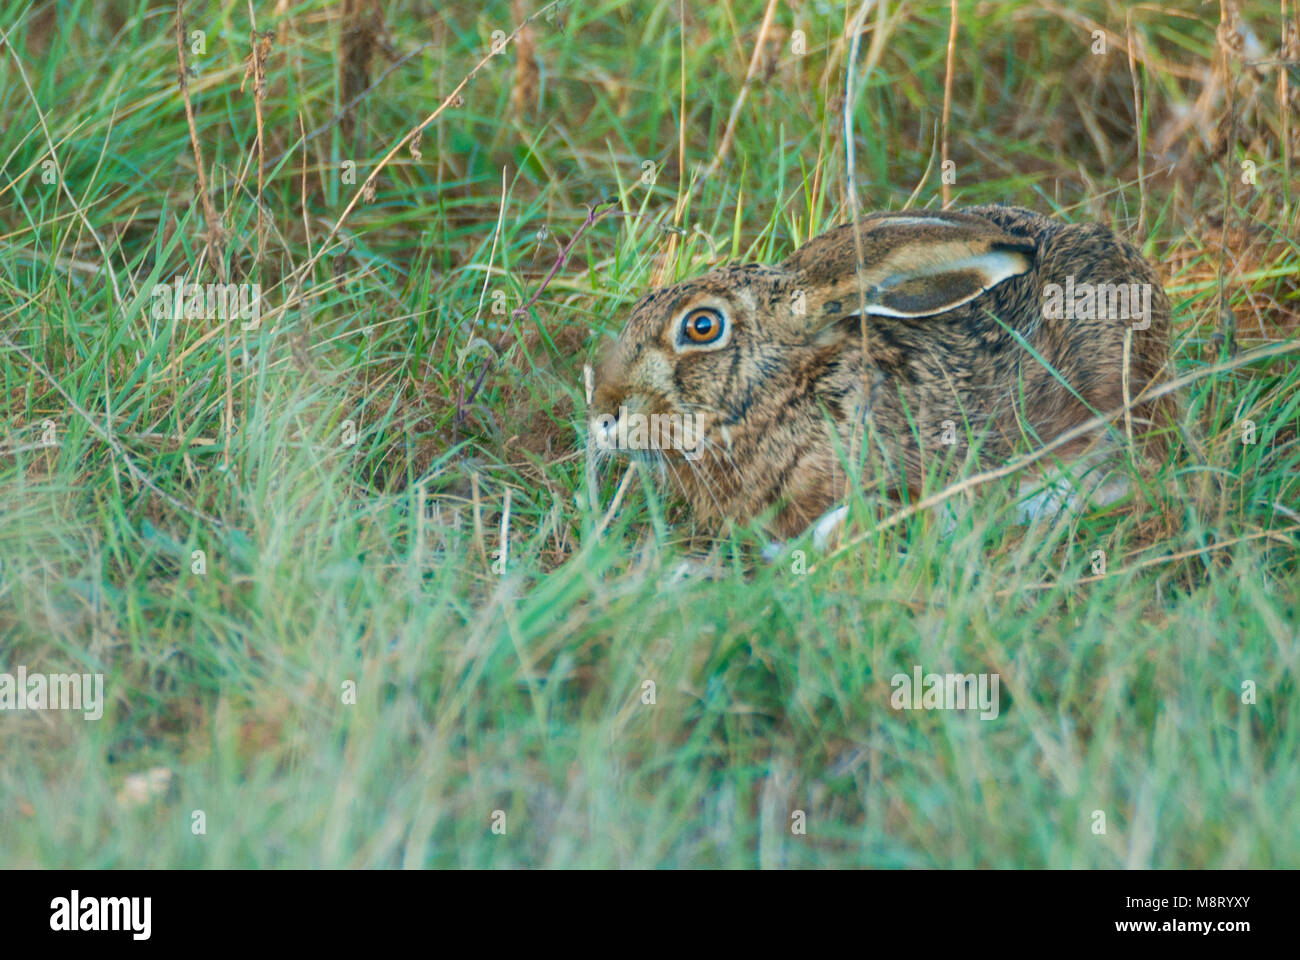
[(639, 434)]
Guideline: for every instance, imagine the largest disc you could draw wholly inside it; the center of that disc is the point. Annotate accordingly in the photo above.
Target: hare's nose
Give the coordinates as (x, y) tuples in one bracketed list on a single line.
[(611, 411), (604, 430)]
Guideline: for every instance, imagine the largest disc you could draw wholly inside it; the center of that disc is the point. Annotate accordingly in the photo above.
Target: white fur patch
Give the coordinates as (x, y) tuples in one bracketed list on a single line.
[(827, 529)]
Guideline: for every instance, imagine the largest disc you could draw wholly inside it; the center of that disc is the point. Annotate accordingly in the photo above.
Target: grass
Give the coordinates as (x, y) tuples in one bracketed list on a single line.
[(347, 675)]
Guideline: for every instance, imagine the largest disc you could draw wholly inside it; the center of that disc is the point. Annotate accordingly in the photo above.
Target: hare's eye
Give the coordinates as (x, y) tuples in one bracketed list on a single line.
[(704, 325)]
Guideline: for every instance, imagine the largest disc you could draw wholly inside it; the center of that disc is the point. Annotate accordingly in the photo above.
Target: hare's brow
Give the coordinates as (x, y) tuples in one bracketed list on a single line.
[(674, 299)]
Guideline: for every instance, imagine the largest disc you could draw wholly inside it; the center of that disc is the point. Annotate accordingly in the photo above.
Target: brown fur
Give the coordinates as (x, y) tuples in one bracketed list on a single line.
[(789, 395)]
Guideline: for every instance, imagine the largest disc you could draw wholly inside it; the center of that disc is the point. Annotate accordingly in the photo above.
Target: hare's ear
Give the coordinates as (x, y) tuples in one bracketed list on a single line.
[(912, 265), (925, 281)]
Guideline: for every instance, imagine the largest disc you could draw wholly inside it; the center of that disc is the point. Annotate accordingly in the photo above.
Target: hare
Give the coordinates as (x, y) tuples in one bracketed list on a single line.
[(962, 334)]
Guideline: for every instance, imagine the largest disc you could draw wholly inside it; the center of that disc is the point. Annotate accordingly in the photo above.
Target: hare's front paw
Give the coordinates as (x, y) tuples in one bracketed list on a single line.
[(827, 530), (1046, 499), (825, 533), (692, 570)]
